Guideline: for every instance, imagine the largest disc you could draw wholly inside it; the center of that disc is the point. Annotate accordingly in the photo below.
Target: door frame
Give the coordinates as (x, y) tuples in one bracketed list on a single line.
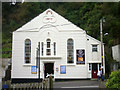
[(92, 70), (44, 67)]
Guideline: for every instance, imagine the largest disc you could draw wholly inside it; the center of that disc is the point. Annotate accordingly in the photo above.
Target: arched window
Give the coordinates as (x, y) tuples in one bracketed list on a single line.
[(27, 51), (42, 48), (48, 49), (70, 51), (54, 48)]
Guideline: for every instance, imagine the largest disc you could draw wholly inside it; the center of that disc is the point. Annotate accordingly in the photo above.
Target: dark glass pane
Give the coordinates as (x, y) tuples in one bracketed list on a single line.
[(94, 48), (27, 50), (42, 48), (70, 51), (27, 61), (54, 48), (48, 44), (48, 52)]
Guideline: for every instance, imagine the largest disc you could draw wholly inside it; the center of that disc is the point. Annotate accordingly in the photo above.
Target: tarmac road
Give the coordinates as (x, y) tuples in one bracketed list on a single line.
[(79, 84)]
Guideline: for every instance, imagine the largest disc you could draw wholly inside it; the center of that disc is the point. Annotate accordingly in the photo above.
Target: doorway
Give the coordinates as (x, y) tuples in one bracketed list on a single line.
[(94, 70), (49, 69)]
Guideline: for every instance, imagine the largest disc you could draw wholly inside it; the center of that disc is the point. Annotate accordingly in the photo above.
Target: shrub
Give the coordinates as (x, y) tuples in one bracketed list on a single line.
[(114, 80)]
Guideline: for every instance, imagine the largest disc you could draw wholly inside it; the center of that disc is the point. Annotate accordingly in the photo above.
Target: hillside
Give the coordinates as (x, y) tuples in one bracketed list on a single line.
[(85, 15)]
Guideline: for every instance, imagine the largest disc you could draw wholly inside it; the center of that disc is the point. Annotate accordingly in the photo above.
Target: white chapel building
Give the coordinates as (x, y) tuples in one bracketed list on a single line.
[(65, 50)]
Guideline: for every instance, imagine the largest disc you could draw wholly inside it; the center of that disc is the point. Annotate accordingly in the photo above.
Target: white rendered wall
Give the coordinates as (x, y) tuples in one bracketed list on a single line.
[(22, 70), (58, 31)]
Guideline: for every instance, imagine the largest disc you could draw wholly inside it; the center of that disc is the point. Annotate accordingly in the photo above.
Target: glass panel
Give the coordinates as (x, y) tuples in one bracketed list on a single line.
[(48, 40), (94, 67), (27, 51), (42, 48), (48, 44), (70, 51), (54, 48), (89, 66), (94, 48), (48, 52)]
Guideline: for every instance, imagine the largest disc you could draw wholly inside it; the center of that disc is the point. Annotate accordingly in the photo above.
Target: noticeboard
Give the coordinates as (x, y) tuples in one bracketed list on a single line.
[(62, 69), (80, 56), (34, 69)]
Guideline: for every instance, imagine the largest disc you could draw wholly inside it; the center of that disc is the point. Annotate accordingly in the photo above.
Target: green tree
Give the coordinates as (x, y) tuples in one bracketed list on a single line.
[(114, 80)]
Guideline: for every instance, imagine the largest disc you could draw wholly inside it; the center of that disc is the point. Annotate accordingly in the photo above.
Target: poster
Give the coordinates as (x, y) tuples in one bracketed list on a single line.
[(80, 56), (34, 69), (62, 69)]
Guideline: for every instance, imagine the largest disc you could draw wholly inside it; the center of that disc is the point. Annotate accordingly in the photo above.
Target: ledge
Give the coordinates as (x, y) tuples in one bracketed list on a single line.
[(70, 64), (50, 57), (28, 64), (94, 62)]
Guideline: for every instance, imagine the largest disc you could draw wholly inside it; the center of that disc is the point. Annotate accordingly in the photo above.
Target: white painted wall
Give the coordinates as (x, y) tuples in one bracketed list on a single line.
[(22, 70), (60, 35)]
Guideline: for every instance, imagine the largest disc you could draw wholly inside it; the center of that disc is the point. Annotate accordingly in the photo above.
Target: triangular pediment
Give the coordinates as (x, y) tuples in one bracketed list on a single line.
[(48, 17)]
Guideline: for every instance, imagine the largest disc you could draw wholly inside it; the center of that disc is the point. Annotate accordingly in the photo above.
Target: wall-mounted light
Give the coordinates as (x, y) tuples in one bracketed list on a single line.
[(105, 34)]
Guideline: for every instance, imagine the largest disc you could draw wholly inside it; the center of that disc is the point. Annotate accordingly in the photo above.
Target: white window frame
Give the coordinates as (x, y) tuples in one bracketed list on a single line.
[(25, 52), (72, 52), (42, 48), (94, 48), (90, 66), (54, 45), (48, 48)]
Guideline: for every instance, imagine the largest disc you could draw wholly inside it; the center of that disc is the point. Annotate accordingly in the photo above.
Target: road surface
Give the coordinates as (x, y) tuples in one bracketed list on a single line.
[(79, 84)]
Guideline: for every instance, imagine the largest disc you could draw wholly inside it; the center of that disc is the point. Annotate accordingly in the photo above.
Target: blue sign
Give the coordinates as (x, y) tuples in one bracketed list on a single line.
[(4, 86), (34, 69), (63, 69)]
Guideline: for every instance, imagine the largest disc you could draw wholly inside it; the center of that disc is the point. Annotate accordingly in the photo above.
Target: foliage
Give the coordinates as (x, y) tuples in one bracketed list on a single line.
[(114, 80), (85, 15)]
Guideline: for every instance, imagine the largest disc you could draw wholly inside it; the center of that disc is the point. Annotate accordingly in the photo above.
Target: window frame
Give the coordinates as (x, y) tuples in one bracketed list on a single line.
[(94, 48), (90, 66), (42, 48), (54, 45), (27, 51), (48, 48), (70, 47)]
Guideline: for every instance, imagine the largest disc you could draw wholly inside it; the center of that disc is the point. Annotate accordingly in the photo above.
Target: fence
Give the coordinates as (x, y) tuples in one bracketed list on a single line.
[(26, 86), (45, 84)]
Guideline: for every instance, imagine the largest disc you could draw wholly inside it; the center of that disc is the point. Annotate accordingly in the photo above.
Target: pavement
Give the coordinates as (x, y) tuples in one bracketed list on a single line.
[(79, 84)]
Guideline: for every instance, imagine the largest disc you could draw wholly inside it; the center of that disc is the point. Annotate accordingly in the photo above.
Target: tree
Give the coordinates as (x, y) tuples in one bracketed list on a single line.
[(114, 80)]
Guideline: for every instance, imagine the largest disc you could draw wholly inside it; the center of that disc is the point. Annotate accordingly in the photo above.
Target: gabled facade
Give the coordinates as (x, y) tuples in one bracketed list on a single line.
[(66, 51)]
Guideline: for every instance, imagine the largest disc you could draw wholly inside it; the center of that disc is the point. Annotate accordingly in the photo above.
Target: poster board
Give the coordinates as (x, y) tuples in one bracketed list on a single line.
[(63, 69), (34, 70), (80, 56)]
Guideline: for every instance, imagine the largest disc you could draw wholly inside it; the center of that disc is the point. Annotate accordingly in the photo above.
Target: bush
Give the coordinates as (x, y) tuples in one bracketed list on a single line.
[(114, 80)]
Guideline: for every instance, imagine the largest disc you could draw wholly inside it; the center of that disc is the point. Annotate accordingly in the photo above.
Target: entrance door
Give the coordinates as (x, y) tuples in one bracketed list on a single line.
[(49, 68), (94, 70)]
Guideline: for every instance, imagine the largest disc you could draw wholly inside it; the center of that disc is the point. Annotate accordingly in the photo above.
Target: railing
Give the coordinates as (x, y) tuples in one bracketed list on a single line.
[(44, 85), (25, 86)]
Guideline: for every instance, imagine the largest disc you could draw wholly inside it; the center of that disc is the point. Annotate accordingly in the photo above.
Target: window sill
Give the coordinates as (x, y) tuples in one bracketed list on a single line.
[(27, 64), (70, 64), (94, 51), (50, 57)]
